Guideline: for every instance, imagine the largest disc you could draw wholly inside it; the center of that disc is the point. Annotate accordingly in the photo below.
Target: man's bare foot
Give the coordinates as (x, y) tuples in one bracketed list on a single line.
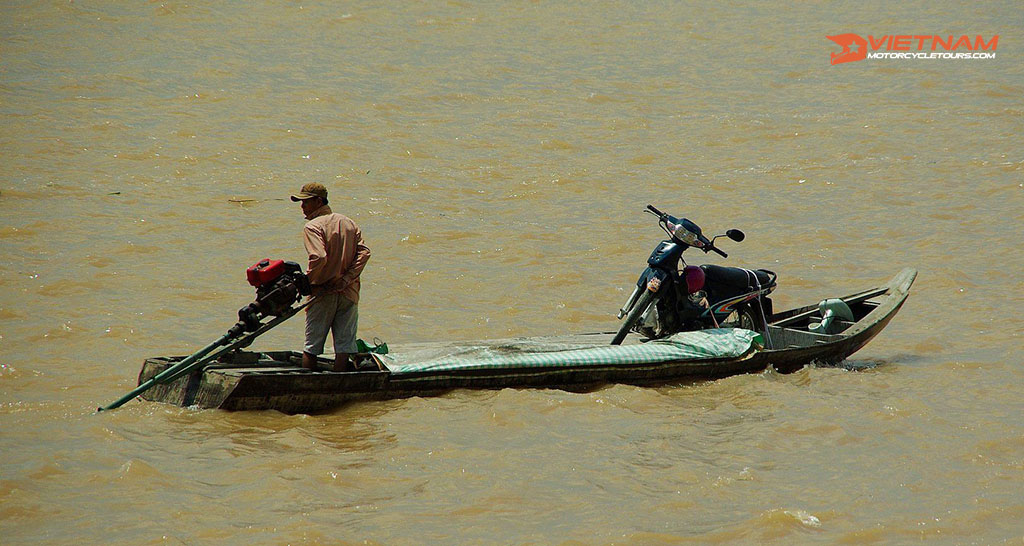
[(308, 361)]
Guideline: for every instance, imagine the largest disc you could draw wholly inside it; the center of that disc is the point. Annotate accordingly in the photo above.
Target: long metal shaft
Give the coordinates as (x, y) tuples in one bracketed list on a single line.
[(164, 375), (238, 344), (200, 358)]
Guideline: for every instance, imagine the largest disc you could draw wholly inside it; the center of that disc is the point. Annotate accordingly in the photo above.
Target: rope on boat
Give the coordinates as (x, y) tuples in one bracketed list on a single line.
[(760, 305)]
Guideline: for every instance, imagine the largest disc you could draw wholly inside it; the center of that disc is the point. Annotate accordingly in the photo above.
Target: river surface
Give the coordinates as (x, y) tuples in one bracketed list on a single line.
[(498, 157)]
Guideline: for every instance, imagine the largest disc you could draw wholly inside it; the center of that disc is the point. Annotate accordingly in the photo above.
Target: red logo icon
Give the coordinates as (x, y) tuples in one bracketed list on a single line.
[(855, 48)]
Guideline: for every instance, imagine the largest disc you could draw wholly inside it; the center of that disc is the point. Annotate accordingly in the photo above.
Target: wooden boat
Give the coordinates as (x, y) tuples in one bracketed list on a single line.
[(274, 380)]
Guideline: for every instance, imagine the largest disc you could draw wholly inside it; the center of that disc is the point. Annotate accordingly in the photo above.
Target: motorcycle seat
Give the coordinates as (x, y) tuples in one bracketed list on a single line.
[(735, 277)]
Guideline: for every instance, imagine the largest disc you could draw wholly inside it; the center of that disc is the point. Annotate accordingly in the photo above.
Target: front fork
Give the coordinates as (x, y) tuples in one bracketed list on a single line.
[(629, 302), (650, 279)]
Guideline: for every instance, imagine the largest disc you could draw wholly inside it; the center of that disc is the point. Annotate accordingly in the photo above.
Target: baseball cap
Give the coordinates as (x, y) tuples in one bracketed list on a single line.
[(310, 191)]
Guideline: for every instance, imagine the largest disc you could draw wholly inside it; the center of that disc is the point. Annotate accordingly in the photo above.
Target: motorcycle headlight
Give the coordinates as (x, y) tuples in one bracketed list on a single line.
[(686, 236)]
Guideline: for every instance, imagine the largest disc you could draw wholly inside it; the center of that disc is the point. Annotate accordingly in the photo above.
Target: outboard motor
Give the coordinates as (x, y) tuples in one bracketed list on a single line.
[(279, 284)]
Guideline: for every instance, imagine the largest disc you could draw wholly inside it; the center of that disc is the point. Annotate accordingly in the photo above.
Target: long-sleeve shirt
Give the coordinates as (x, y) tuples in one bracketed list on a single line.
[(336, 251)]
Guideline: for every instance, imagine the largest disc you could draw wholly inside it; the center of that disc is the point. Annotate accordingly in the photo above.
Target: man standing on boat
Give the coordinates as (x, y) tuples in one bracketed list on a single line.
[(337, 256)]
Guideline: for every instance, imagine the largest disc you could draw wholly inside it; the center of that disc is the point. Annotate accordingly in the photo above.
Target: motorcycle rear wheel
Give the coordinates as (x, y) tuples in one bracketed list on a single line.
[(745, 317), (646, 300)]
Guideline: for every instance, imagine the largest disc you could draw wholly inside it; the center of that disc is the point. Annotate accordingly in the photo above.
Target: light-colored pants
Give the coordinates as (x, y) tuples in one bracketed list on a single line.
[(331, 312)]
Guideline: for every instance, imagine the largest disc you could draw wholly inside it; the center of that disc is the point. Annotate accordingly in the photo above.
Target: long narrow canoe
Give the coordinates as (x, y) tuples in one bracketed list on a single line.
[(275, 380)]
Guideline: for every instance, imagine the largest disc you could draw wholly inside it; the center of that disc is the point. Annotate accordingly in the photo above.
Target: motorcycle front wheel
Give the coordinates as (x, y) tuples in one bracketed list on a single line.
[(646, 300)]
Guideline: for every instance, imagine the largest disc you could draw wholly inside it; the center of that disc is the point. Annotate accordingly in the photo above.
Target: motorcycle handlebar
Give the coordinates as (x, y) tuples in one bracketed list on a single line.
[(708, 246), (655, 211)]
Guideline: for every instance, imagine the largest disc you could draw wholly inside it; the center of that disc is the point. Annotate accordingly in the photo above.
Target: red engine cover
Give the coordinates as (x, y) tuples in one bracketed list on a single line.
[(266, 270)]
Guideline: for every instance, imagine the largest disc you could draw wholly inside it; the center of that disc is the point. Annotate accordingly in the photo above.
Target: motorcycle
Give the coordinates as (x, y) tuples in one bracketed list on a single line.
[(668, 299)]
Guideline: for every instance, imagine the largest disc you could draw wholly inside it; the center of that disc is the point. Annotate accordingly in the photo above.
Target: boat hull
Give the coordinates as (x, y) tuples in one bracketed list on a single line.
[(275, 381)]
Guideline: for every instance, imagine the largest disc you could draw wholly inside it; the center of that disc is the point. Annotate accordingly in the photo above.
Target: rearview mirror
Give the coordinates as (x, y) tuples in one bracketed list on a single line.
[(735, 235)]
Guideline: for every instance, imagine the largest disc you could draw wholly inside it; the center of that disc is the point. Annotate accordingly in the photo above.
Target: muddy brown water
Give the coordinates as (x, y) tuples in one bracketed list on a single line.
[(497, 157)]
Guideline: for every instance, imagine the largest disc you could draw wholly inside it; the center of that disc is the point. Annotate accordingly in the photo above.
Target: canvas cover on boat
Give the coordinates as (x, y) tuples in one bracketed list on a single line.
[(540, 353)]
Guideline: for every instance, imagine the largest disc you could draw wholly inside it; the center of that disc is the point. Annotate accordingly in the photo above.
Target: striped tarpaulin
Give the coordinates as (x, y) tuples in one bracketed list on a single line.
[(684, 346)]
